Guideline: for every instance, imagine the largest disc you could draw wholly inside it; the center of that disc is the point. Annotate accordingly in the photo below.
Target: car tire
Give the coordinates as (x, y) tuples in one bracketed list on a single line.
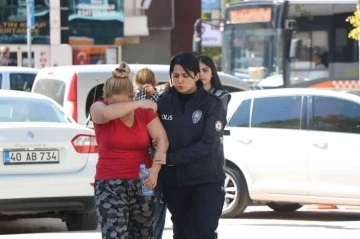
[(284, 208), (82, 221), (234, 178)]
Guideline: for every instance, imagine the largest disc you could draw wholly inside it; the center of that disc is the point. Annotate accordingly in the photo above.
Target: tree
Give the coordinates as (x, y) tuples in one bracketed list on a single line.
[(354, 20)]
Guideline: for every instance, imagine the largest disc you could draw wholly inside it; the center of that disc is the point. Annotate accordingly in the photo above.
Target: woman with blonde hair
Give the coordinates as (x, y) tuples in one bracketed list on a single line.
[(122, 127), (145, 82)]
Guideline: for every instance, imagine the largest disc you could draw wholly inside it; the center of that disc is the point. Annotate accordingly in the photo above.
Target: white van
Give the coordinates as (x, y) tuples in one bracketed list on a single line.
[(74, 87), (17, 78)]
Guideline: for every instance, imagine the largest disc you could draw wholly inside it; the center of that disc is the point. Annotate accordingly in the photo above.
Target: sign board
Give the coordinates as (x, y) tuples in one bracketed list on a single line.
[(30, 7), (210, 37), (250, 15)]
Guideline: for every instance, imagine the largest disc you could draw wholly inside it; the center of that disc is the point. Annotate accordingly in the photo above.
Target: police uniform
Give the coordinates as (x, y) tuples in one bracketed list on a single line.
[(193, 177)]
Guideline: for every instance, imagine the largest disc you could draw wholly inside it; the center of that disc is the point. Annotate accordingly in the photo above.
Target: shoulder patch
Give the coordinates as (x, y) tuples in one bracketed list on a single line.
[(218, 126)]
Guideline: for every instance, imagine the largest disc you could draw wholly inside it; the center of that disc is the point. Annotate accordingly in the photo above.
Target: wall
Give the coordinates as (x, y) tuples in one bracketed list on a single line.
[(186, 13), (153, 49)]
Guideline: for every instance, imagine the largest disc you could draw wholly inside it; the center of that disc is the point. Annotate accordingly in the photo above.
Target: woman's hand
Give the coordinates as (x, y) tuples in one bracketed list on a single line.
[(151, 181), (160, 158), (147, 104), (148, 89)]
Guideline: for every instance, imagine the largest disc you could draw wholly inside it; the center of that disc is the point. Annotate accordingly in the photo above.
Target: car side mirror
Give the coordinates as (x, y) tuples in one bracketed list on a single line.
[(226, 132)]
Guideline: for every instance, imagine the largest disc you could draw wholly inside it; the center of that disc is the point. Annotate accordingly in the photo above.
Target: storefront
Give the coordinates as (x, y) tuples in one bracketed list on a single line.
[(95, 30)]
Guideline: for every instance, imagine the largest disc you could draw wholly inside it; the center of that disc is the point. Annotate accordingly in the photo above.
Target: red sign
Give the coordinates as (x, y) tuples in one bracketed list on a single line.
[(43, 59), (250, 15)]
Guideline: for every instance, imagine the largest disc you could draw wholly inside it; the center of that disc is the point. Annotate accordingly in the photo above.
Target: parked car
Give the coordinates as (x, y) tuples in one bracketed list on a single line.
[(76, 87), (17, 78), (291, 147), (47, 162)]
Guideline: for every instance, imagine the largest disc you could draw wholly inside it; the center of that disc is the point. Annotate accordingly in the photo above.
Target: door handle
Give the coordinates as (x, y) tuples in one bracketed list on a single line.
[(247, 142), (321, 145)]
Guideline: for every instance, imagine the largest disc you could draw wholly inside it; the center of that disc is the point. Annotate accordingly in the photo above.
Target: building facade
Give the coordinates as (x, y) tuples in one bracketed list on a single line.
[(99, 31)]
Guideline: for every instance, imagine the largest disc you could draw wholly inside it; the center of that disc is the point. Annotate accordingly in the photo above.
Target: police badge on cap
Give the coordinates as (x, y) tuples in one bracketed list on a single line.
[(196, 116), (218, 126)]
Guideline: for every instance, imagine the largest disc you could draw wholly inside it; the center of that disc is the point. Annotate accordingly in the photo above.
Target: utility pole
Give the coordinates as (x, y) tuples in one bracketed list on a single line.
[(30, 9), (197, 37)]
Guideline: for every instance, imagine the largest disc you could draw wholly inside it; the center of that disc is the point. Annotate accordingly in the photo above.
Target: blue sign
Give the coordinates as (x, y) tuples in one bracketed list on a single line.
[(208, 5), (30, 7)]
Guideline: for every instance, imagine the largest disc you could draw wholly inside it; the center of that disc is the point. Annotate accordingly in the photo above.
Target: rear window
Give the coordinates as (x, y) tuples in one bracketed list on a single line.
[(22, 81), (14, 109), (54, 89)]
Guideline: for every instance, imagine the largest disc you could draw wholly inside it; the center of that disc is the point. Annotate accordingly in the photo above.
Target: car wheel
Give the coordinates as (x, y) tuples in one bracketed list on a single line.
[(284, 207), (82, 221), (237, 194)]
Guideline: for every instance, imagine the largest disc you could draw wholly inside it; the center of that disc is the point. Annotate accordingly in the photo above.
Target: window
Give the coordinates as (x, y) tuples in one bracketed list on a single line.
[(0, 81), (95, 94), (336, 115), (277, 112), (16, 109), (231, 89), (54, 89), (241, 117), (22, 81)]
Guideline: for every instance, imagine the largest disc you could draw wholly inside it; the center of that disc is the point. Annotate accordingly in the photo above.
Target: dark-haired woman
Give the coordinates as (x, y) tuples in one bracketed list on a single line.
[(211, 80), (192, 172)]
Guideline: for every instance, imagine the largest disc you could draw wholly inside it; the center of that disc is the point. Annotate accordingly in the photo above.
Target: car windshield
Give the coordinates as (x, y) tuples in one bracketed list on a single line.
[(15, 109)]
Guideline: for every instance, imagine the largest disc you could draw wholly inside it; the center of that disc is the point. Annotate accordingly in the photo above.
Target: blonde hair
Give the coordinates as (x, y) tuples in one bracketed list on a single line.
[(119, 83), (145, 76)]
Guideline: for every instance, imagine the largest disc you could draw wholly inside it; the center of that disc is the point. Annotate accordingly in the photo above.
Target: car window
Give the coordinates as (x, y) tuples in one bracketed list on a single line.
[(336, 115), (54, 89), (283, 112), (94, 94), (231, 89), (241, 117), (22, 81), (15, 109)]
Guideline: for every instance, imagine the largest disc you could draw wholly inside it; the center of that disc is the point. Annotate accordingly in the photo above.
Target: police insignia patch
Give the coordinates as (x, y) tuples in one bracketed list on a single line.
[(196, 116), (218, 126)]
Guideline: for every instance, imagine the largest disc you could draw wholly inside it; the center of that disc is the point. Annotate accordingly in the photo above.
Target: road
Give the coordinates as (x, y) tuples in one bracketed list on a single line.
[(257, 222)]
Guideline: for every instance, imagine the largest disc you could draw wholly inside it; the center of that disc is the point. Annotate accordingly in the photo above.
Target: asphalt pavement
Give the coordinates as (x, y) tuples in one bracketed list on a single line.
[(257, 222)]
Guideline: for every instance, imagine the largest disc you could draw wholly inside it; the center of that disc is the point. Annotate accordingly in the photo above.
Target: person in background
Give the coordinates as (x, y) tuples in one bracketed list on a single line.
[(192, 174), (145, 85), (5, 59), (211, 80), (122, 128), (145, 82)]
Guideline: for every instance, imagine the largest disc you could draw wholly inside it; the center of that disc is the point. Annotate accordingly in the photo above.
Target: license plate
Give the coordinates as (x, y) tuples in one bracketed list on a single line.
[(31, 157)]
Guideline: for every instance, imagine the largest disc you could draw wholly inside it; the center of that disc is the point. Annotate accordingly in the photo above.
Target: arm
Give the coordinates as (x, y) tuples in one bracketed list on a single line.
[(215, 120), (102, 113), (157, 132), (156, 96)]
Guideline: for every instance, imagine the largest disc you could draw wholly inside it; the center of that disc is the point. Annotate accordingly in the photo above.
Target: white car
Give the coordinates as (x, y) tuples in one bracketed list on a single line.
[(77, 87), (291, 147), (47, 162), (17, 78)]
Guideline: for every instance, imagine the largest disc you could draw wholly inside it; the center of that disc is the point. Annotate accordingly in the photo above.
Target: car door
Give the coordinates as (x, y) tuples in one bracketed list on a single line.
[(278, 162), (266, 134), (334, 152)]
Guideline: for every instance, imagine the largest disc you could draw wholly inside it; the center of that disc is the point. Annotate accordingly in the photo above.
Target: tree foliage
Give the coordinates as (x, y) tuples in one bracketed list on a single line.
[(354, 20)]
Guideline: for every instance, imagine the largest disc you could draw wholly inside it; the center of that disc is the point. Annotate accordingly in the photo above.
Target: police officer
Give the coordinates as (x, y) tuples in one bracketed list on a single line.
[(192, 175)]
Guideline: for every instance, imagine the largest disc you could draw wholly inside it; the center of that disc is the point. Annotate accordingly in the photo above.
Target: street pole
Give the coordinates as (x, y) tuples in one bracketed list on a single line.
[(30, 9)]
